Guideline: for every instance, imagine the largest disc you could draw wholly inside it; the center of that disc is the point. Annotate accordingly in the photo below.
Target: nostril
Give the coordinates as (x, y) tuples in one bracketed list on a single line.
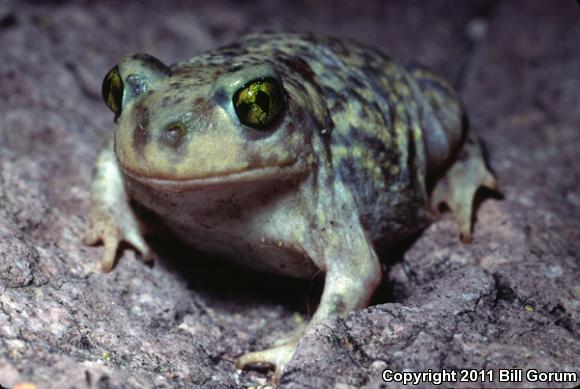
[(174, 135)]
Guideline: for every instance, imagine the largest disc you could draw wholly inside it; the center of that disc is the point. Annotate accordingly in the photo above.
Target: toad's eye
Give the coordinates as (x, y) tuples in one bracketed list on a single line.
[(259, 103), (112, 90)]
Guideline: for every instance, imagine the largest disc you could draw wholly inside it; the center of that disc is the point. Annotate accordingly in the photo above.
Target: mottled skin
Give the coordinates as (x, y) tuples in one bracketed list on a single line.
[(364, 153)]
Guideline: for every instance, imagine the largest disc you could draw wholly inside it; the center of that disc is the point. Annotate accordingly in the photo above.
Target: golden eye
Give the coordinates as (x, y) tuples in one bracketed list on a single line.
[(259, 103), (112, 90)]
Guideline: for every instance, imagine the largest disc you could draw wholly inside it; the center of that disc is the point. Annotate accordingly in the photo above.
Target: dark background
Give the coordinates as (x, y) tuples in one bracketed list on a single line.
[(510, 299)]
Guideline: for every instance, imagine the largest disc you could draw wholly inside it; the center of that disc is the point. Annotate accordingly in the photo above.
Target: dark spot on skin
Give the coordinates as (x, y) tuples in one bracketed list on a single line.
[(296, 85), (235, 68), (324, 127), (176, 85), (229, 53), (387, 120), (354, 94), (337, 106), (276, 52), (308, 56), (367, 57), (141, 134), (371, 142), (414, 67), (339, 47), (300, 66), (362, 113), (355, 80), (201, 105), (331, 93), (221, 98), (371, 72), (234, 49), (233, 46), (291, 127), (354, 172)]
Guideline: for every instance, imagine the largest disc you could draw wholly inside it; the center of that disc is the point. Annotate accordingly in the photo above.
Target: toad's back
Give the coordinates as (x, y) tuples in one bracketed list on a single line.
[(388, 125)]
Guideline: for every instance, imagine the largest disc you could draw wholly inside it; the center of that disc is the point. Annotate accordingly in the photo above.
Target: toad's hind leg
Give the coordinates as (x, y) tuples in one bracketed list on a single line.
[(459, 184)]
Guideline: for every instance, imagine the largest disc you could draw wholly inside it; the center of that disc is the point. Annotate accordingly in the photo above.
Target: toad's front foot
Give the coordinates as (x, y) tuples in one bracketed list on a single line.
[(104, 228), (277, 357)]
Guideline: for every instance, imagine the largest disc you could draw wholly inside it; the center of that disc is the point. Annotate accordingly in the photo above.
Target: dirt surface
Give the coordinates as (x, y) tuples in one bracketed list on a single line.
[(509, 300)]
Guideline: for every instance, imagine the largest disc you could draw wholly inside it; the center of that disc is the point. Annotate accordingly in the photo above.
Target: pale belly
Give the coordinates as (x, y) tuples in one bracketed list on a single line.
[(242, 244)]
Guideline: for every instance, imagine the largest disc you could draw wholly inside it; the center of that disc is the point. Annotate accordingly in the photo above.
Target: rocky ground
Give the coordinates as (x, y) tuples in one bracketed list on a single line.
[(509, 300)]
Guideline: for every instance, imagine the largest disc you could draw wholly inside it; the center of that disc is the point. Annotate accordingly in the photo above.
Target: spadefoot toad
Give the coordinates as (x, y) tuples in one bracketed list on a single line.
[(289, 154)]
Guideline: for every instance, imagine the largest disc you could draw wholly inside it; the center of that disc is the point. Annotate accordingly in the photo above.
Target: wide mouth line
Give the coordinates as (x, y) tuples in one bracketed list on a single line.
[(222, 178)]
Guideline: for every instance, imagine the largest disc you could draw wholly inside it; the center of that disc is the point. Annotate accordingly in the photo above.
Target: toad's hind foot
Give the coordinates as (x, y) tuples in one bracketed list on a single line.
[(458, 186), (276, 357)]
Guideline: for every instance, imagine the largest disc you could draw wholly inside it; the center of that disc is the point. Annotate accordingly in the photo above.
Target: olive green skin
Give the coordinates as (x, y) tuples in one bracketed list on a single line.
[(363, 151), (368, 112)]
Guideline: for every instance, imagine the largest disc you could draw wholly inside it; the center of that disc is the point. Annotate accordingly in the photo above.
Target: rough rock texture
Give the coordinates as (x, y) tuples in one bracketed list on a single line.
[(509, 300)]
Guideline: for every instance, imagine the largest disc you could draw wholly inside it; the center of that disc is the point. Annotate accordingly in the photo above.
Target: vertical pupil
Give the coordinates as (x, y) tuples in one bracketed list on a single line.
[(244, 109), (263, 101)]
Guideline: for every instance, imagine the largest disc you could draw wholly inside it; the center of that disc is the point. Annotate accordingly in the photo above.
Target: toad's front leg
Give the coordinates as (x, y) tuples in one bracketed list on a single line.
[(112, 220), (353, 272)]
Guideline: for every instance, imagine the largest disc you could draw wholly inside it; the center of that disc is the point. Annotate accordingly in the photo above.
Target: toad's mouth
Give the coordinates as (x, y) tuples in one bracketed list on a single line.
[(227, 178)]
